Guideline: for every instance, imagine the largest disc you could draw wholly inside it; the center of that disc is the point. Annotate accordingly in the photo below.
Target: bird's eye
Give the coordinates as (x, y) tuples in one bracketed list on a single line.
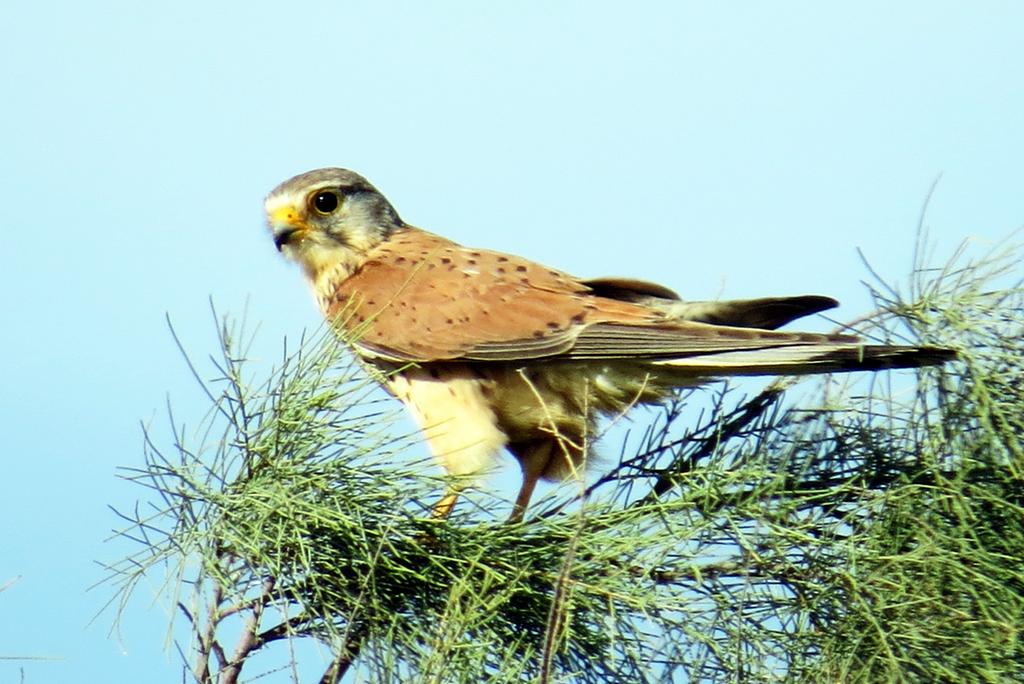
[(325, 202)]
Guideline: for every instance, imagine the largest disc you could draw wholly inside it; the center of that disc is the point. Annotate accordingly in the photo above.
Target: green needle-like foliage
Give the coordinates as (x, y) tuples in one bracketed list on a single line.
[(870, 533)]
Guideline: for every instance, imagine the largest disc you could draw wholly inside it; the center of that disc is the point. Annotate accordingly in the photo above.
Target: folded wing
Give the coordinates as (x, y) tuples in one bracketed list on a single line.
[(421, 298)]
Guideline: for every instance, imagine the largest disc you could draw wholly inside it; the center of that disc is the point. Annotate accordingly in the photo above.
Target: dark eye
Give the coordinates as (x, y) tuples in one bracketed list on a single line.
[(325, 202)]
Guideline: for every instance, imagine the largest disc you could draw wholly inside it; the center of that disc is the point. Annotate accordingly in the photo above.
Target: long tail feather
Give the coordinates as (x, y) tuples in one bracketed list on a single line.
[(808, 359)]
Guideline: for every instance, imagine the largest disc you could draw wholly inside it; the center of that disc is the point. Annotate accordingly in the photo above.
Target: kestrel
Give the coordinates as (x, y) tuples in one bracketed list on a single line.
[(491, 351)]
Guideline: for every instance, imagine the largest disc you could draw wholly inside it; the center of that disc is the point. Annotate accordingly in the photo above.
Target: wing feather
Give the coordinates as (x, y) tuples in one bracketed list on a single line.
[(764, 312), (421, 298), (602, 341)]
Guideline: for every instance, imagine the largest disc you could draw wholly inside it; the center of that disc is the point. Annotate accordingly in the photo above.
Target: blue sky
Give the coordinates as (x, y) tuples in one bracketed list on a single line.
[(724, 150)]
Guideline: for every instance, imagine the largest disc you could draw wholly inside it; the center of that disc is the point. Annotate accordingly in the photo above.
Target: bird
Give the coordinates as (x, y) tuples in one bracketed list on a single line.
[(490, 351)]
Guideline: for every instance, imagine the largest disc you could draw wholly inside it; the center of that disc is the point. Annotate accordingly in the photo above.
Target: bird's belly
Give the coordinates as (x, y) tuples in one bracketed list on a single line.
[(567, 398), (468, 412), (453, 411)]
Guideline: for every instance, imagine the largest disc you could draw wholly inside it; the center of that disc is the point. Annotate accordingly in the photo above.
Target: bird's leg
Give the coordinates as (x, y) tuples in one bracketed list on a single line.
[(443, 508), (533, 459)]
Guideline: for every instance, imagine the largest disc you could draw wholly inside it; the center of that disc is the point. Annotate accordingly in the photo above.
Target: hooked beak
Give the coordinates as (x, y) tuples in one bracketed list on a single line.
[(282, 237), (286, 225)]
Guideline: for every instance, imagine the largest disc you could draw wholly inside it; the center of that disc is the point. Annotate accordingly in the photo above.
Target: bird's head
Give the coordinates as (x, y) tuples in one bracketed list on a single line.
[(328, 216)]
